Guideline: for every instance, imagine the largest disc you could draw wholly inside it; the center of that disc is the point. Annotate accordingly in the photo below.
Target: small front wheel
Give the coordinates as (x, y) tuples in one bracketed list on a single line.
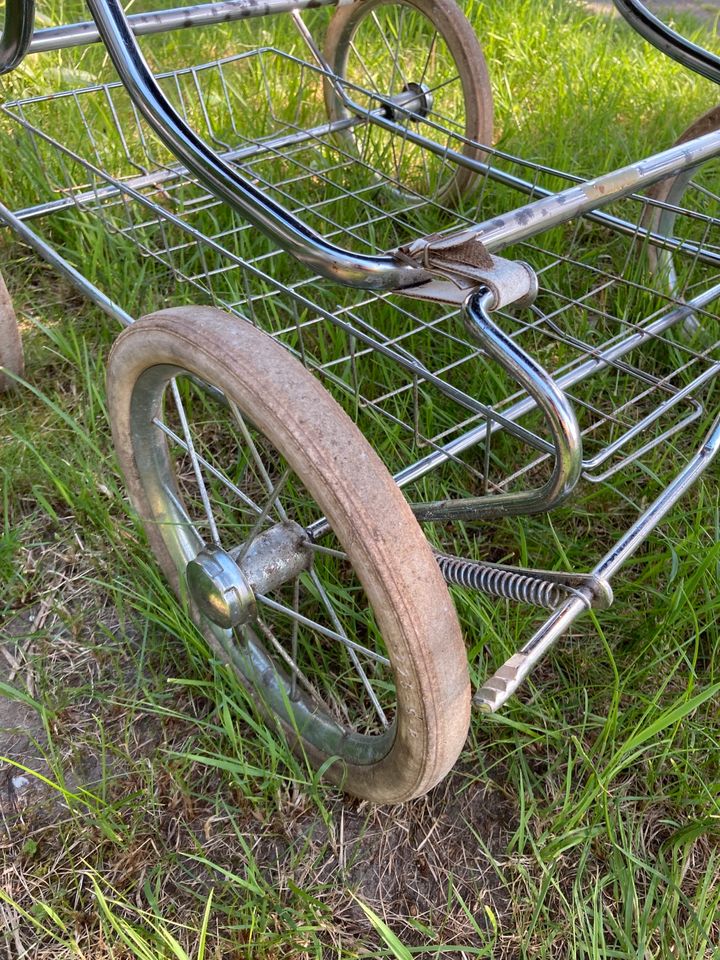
[(300, 559), (423, 56), (11, 352)]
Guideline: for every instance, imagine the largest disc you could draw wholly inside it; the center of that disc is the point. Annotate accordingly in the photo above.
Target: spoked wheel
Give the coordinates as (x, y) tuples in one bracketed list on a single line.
[(422, 55), (696, 192), (11, 352), (342, 629)]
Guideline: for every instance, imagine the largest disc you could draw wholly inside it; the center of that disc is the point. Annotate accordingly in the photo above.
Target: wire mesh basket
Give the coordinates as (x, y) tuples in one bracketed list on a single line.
[(607, 322)]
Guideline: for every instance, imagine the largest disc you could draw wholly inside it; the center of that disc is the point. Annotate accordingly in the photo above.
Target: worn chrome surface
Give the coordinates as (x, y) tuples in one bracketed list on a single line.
[(277, 555), (165, 21), (559, 415), (501, 686), (148, 199), (592, 210), (224, 585), (219, 588), (548, 212), (598, 344), (188, 519)]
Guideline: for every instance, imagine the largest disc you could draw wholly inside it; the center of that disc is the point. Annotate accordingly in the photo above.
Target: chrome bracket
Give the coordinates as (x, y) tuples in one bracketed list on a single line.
[(458, 269)]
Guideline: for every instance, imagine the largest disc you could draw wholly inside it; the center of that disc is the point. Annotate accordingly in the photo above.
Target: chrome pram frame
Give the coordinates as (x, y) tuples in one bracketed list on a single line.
[(484, 291)]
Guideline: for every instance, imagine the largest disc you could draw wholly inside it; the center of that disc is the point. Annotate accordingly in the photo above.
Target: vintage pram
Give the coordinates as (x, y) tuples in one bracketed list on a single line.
[(341, 253)]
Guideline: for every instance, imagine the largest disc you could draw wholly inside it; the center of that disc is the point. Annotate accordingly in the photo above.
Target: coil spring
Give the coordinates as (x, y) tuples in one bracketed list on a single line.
[(500, 583)]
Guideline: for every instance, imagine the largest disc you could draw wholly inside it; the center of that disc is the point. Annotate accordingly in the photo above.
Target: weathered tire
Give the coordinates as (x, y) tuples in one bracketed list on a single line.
[(446, 20), (11, 352), (287, 408), (676, 191)]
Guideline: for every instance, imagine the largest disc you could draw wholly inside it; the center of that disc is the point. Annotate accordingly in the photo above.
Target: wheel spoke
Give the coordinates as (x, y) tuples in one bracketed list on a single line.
[(442, 84), (319, 628), (431, 50), (295, 671), (396, 58), (366, 70), (294, 637), (195, 462), (240, 420), (241, 495), (348, 643), (328, 550), (386, 44), (261, 519)]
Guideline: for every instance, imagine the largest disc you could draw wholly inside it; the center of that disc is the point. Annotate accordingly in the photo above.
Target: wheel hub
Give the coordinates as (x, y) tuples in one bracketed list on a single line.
[(223, 584), (414, 102), (218, 588)]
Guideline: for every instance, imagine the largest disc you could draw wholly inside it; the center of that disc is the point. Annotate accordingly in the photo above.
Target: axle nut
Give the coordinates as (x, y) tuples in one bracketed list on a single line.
[(218, 588)]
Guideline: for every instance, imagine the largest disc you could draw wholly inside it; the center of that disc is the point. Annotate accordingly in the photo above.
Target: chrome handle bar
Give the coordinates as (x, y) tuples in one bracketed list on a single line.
[(559, 417), (383, 272), (668, 41)]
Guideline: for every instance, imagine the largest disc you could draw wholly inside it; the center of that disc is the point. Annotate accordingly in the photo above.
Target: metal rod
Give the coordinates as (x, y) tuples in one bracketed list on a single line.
[(63, 267), (165, 21), (604, 358), (452, 449), (615, 223), (630, 541), (551, 211), (382, 118), (169, 174), (500, 687)]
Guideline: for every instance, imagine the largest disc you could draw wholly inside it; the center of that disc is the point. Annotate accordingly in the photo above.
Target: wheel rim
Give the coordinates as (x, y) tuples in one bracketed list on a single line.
[(388, 51), (698, 193), (239, 494), (690, 213)]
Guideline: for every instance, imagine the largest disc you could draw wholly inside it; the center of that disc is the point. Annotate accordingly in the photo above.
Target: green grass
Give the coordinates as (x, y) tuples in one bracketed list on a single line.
[(583, 821)]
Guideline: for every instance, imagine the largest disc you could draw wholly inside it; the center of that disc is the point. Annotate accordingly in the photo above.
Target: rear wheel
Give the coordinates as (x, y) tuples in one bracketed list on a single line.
[(423, 54), (343, 629), (11, 352), (690, 211)]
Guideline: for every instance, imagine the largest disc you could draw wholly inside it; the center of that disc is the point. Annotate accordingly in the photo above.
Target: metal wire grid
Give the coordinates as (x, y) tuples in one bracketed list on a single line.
[(602, 323)]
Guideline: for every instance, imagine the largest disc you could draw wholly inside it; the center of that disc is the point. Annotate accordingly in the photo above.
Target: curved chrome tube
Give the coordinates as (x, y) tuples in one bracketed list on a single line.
[(559, 416), (17, 33), (668, 41), (335, 263)]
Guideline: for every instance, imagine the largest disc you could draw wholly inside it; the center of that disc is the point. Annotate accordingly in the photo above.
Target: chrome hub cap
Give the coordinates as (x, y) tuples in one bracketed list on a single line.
[(218, 588)]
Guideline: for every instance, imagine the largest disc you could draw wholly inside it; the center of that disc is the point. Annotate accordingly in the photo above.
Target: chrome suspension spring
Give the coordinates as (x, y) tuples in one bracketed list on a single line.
[(497, 582)]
